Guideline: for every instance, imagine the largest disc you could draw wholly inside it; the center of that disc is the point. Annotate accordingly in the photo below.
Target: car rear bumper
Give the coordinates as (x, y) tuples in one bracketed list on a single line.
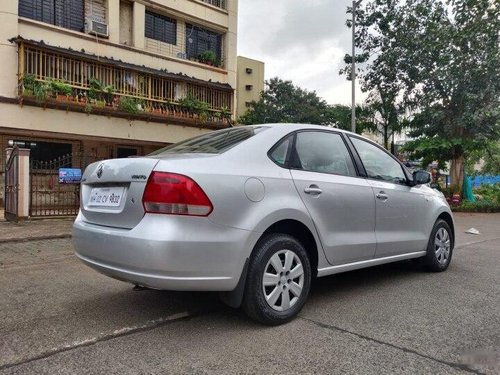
[(166, 252)]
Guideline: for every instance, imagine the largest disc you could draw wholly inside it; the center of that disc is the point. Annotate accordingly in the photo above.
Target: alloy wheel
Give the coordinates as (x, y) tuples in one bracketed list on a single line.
[(283, 280), (442, 246)]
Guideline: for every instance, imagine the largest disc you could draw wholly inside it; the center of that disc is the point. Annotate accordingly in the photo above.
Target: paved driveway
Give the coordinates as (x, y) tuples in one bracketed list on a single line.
[(57, 316)]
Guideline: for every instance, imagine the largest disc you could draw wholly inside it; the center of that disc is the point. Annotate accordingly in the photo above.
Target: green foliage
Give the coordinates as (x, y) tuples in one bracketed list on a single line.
[(478, 206), (281, 101), (339, 115), (489, 192), (41, 90), (60, 88), (129, 105), (29, 82), (442, 59), (95, 89), (208, 56), (194, 106)]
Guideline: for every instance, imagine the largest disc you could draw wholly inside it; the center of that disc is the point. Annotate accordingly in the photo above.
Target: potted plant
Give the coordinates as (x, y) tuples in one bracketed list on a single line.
[(109, 94), (208, 57), (60, 90), (28, 84), (129, 105)]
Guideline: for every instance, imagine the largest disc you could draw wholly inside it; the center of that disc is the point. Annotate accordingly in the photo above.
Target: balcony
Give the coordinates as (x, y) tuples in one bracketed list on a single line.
[(58, 78)]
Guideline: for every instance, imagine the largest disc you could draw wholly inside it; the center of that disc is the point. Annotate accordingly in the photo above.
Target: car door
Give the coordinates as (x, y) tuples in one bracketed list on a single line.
[(400, 209), (341, 204)]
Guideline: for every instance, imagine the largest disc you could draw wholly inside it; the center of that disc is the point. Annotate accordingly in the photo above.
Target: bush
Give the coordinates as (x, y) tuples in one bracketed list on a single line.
[(130, 105), (60, 88), (489, 192), (478, 206)]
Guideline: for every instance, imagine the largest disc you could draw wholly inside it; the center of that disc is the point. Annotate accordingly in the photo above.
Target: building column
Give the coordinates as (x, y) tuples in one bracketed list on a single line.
[(139, 25), (8, 51), (114, 20), (231, 38)]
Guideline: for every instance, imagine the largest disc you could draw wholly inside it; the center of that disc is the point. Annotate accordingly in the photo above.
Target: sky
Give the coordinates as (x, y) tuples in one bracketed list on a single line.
[(299, 40)]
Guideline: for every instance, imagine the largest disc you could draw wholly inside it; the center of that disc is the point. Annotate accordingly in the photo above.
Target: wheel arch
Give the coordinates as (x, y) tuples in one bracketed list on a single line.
[(446, 216), (301, 233)]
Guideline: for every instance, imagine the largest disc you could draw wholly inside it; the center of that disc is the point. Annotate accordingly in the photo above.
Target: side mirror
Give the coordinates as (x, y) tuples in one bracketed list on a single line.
[(421, 177)]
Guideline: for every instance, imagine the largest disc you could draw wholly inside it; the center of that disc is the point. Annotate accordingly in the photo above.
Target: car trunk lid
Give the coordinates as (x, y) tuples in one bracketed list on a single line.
[(111, 191)]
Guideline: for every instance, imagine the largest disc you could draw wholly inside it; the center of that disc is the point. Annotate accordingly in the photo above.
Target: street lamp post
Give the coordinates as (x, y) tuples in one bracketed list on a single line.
[(353, 67)]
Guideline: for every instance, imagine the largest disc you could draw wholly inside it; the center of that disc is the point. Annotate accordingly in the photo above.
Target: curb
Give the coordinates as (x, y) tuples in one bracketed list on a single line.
[(29, 239)]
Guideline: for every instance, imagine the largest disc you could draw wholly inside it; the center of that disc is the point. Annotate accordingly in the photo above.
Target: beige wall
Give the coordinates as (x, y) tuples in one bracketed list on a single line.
[(58, 121), (254, 79), (133, 52)]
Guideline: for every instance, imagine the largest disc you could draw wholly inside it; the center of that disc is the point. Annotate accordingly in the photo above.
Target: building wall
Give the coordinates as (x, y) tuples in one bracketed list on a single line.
[(99, 134), (121, 13), (250, 83)]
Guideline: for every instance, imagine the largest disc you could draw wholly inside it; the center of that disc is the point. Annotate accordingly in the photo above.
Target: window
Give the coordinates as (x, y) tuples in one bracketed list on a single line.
[(379, 164), (212, 143), (199, 40), (64, 13), (161, 28), (323, 152), (44, 151), (279, 152), (125, 152)]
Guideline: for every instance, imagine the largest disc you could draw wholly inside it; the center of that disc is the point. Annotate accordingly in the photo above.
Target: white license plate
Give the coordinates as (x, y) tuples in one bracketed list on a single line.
[(106, 197)]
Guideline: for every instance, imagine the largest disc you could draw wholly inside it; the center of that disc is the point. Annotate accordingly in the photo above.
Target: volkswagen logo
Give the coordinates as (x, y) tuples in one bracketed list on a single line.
[(99, 170)]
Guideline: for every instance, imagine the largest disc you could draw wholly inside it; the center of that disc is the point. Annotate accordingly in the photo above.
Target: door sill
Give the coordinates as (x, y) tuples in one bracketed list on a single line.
[(367, 263)]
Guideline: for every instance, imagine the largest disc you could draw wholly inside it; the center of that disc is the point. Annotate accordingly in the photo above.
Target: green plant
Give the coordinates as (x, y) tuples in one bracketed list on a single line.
[(29, 82), (60, 88), (488, 192), (225, 113), (208, 57), (87, 108), (42, 91), (195, 106), (129, 105), (478, 206), (96, 89)]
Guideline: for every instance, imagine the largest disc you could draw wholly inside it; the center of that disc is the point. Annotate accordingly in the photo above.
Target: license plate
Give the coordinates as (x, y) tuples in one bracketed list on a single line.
[(106, 197)]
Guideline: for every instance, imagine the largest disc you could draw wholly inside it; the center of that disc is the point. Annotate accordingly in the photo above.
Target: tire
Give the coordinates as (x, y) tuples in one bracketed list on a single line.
[(439, 248), (279, 257)]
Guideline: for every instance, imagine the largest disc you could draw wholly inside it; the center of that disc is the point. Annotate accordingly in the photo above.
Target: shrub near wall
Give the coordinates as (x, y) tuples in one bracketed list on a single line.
[(488, 200)]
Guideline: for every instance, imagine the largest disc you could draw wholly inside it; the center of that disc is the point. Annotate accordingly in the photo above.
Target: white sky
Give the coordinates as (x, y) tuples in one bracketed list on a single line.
[(299, 40)]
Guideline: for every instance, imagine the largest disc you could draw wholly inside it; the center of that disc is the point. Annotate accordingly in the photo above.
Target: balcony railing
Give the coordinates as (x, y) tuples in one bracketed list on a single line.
[(155, 92)]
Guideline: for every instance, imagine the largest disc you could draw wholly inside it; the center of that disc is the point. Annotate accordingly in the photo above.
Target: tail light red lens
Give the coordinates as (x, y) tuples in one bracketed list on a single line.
[(175, 194)]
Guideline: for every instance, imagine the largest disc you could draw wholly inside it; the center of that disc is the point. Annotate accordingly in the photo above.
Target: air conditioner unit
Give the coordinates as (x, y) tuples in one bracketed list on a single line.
[(97, 28)]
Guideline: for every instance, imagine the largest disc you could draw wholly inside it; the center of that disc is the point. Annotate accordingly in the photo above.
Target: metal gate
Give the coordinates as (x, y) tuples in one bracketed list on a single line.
[(11, 185), (48, 196)]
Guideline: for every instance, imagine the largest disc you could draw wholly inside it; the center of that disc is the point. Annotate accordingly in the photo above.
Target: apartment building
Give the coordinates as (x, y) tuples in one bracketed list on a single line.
[(113, 78), (250, 83)]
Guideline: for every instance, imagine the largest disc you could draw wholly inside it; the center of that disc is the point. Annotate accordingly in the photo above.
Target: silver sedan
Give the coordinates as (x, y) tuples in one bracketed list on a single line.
[(257, 212)]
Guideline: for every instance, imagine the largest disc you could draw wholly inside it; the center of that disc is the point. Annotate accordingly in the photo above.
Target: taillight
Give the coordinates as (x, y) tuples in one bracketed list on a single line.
[(170, 193)]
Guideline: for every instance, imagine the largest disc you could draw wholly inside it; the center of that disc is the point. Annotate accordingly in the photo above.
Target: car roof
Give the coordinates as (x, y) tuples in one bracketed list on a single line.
[(289, 127)]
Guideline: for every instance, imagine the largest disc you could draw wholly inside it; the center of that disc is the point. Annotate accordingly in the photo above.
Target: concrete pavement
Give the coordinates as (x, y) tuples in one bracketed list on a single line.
[(58, 316)]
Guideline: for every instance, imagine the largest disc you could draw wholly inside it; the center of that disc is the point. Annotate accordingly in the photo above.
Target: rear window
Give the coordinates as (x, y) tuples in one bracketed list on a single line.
[(211, 143)]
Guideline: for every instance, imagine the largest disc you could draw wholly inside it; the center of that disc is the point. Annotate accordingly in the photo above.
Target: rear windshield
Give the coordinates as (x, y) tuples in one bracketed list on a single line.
[(211, 143)]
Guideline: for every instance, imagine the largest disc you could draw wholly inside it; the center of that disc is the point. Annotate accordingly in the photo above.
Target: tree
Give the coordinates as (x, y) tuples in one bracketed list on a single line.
[(386, 115), (375, 37), (340, 117), (443, 60), (281, 101)]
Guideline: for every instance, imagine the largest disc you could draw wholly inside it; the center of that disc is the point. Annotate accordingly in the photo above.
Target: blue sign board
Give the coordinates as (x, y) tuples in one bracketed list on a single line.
[(70, 175)]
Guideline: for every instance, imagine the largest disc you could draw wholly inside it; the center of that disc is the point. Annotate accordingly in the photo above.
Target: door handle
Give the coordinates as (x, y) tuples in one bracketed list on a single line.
[(313, 190), (382, 196)]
